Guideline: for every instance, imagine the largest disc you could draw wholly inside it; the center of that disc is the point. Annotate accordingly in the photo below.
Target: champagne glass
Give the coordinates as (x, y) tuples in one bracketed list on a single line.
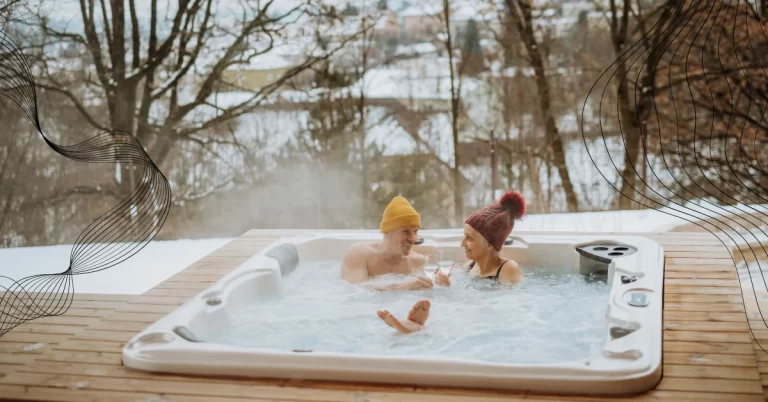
[(430, 269), (445, 266), (445, 262)]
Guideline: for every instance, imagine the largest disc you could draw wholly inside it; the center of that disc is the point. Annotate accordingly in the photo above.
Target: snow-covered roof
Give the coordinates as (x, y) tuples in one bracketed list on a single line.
[(267, 61), (423, 78), (415, 49), (422, 10)]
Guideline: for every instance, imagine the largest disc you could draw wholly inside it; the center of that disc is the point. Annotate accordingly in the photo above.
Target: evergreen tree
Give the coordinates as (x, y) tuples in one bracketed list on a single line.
[(350, 11), (382, 5), (471, 52)]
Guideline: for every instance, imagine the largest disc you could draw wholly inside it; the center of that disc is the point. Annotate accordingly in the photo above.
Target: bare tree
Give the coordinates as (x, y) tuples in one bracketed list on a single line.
[(153, 86), (519, 12), (7, 7), (719, 93)]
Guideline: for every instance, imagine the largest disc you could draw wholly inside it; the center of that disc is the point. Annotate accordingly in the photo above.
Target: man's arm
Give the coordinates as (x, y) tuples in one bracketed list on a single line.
[(354, 267)]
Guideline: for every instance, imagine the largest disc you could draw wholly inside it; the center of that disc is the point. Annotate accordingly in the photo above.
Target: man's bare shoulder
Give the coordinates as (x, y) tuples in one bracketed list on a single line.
[(362, 249)]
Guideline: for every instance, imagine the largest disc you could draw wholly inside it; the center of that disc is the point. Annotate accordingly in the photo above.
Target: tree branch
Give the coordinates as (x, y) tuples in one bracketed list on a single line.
[(135, 38), (58, 197), (75, 102), (92, 42)]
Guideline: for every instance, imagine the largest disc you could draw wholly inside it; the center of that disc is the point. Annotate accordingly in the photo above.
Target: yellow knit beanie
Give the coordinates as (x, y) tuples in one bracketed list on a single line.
[(399, 214)]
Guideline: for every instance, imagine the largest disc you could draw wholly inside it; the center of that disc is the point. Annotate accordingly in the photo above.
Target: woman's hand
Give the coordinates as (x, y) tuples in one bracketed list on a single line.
[(442, 279)]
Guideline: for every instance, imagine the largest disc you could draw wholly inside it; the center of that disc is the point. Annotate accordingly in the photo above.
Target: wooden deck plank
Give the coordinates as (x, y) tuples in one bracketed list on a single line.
[(90, 346), (147, 308), (708, 347), (146, 299), (700, 268), (165, 386), (185, 277), (101, 335), (136, 317), (125, 326), (699, 275), (33, 328), (722, 253), (712, 385), (59, 393), (672, 315), (67, 320), (704, 307), (695, 336), (688, 261), (708, 352), (197, 286), (691, 248), (27, 338), (173, 292), (700, 290), (709, 359), (701, 282), (706, 326), (702, 298)]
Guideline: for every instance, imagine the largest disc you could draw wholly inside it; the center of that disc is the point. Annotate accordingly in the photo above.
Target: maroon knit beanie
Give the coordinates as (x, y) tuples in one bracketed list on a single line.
[(496, 221)]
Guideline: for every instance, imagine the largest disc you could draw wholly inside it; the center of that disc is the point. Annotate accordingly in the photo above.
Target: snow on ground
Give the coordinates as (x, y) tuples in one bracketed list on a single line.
[(155, 263), (642, 221), (162, 259)]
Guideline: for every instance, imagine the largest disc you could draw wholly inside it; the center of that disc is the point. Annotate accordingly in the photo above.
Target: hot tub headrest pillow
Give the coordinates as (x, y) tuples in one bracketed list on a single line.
[(287, 257)]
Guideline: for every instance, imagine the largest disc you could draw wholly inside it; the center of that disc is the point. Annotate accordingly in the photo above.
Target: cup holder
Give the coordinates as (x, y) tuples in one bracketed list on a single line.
[(619, 332), (628, 279), (154, 338), (185, 334), (606, 253)]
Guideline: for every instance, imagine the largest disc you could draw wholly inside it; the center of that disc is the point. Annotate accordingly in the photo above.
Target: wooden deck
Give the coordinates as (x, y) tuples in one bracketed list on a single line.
[(708, 353)]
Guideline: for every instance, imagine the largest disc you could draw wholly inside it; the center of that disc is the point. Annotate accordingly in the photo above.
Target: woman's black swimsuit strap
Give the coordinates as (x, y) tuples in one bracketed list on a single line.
[(498, 271)]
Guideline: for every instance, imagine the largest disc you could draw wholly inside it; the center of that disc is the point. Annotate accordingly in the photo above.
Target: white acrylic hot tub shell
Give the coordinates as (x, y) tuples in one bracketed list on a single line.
[(630, 364)]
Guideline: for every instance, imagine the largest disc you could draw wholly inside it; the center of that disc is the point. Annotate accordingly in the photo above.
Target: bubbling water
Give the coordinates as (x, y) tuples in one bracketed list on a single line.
[(550, 317)]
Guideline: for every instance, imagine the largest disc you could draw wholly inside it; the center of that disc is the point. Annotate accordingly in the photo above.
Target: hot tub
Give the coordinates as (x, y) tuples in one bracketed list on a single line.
[(629, 359)]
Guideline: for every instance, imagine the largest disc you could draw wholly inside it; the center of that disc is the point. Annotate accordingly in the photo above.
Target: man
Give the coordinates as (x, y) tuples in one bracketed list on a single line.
[(400, 226)]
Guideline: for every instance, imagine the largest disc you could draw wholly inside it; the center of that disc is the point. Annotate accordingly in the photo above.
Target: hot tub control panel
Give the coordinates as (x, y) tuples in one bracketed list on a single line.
[(637, 299)]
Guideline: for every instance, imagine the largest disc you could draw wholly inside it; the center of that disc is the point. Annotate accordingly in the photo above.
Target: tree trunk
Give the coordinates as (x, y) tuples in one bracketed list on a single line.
[(553, 136), (494, 184), (458, 195), (549, 185), (636, 119), (521, 13), (364, 190), (535, 173), (631, 131)]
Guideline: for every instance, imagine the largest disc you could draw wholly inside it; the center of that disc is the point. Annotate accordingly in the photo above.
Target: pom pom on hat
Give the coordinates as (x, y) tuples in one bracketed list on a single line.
[(515, 203)]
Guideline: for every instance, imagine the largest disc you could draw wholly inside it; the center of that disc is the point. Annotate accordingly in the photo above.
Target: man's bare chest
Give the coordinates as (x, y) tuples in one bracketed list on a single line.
[(378, 266)]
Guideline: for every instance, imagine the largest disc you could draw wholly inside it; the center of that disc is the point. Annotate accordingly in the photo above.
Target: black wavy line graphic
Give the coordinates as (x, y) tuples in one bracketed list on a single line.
[(685, 33), (112, 238)]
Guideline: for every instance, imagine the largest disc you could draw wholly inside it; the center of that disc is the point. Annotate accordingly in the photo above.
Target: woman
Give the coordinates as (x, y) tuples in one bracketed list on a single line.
[(484, 234)]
